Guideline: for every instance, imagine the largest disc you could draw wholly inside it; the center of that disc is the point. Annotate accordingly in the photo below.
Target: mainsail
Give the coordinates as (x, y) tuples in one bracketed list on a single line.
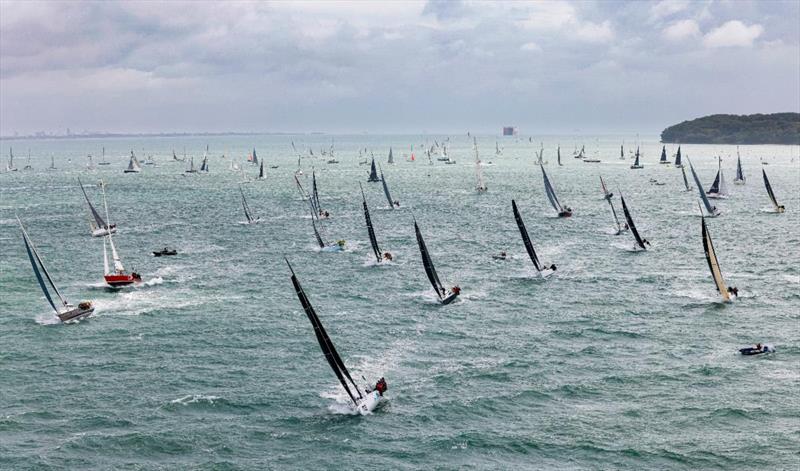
[(664, 155), (685, 181), (632, 227), (372, 239), (391, 157), (246, 208), (739, 173), (39, 269), (101, 224), (315, 193), (551, 195), (255, 157), (636, 163), (261, 175), (428, 263), (373, 172), (133, 164), (678, 158), (325, 343), (558, 154), (712, 210), (769, 191), (386, 191), (713, 263), (525, 238)]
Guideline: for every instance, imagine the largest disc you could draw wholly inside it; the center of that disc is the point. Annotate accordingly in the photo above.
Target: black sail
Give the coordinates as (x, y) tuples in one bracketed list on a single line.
[(631, 225), (678, 157), (769, 189), (373, 172), (101, 224), (428, 263), (325, 343), (372, 239), (525, 238)]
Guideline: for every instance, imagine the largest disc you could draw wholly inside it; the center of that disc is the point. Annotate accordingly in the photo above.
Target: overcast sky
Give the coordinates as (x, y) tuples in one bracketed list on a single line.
[(436, 66)]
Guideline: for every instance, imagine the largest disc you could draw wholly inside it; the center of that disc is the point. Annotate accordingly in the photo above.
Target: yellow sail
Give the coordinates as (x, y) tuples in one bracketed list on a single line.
[(713, 264)]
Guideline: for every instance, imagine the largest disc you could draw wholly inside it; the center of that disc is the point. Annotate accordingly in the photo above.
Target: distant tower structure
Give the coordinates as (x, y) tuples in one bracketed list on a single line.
[(509, 131)]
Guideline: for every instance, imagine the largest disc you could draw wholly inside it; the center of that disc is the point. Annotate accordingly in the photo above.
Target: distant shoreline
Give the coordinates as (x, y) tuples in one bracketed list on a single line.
[(754, 129)]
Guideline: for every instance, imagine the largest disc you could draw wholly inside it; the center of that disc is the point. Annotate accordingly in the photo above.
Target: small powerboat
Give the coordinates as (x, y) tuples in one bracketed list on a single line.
[(165, 252), (757, 350)]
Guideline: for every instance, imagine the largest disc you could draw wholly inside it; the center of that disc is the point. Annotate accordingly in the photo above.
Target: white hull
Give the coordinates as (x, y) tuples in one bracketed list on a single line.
[(739, 182), (369, 402), (545, 273), (716, 196), (102, 232)]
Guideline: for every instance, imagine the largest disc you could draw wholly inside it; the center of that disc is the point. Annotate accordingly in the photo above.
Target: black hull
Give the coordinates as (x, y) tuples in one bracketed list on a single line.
[(449, 299)]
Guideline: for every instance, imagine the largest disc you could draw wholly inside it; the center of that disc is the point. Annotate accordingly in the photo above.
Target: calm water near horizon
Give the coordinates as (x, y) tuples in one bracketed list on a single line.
[(619, 361)]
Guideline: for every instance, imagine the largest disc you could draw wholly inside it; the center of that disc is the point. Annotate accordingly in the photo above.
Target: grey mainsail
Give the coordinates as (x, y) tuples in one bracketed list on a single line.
[(325, 343), (372, 239), (678, 162), (712, 210), (664, 155), (769, 190), (428, 263), (391, 157), (101, 224), (631, 225), (386, 191), (39, 269), (551, 195), (525, 238)]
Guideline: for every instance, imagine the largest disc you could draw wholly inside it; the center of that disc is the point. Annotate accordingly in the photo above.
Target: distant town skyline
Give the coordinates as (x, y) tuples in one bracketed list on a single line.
[(549, 67)]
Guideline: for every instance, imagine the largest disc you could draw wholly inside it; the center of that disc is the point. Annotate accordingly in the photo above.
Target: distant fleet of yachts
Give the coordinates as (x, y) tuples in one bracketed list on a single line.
[(116, 276)]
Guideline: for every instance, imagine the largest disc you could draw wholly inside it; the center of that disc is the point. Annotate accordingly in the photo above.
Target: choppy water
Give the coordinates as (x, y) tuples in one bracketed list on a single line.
[(621, 360)]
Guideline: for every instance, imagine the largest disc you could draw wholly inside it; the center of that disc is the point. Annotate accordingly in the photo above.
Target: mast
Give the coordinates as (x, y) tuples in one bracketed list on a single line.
[(614, 212), (481, 185), (428, 263), (325, 343), (244, 205), (632, 226), (713, 263), (685, 181), (372, 239), (525, 238), (320, 242), (663, 154), (36, 263)]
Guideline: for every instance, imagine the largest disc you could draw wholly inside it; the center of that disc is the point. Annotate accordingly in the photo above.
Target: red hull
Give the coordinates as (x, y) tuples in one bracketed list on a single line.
[(122, 280)]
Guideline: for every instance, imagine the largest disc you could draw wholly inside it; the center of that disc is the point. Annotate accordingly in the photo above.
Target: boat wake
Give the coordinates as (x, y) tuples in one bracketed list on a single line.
[(47, 319), (193, 399)]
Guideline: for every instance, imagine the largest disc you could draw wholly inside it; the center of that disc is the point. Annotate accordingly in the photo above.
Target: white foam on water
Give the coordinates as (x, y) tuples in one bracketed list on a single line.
[(193, 398)]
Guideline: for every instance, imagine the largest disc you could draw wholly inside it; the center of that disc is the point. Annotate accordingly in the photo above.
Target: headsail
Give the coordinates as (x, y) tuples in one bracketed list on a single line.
[(39, 269), (372, 239), (101, 224), (713, 263), (325, 343), (306, 197), (712, 210), (551, 195), (614, 212), (525, 238), (629, 219), (386, 191), (428, 263), (373, 172), (770, 193), (606, 193)]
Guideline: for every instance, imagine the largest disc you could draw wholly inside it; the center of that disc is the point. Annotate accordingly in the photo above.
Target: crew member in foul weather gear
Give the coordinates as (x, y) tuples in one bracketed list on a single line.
[(381, 386), (553, 267), (734, 291), (387, 256), (455, 290)]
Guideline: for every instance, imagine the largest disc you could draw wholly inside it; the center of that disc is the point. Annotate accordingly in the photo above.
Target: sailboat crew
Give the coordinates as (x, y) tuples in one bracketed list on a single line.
[(733, 290), (387, 256)]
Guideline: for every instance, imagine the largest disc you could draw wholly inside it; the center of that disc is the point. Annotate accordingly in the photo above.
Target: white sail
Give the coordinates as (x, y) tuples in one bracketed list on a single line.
[(723, 186), (105, 258), (478, 169), (115, 256)]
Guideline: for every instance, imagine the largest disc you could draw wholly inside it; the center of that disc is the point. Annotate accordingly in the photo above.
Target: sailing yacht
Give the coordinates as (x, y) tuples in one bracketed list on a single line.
[(103, 161), (10, 165), (478, 170), (117, 277), (261, 174), (392, 202), (563, 211), (133, 165), (719, 189), (445, 297), (678, 162), (373, 172), (606, 194), (636, 165), (28, 163), (52, 163), (739, 180), (65, 311), (191, 168), (542, 270), (390, 160), (663, 159), (640, 243), (713, 265), (779, 208), (711, 210), (247, 213), (371, 398), (376, 250), (99, 226)]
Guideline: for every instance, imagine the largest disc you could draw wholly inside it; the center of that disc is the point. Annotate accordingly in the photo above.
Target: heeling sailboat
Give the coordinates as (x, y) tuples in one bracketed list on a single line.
[(373, 172), (118, 277), (478, 170), (315, 203), (636, 165), (663, 159), (392, 202), (779, 208), (445, 297), (640, 243), (713, 264), (261, 174), (376, 250), (542, 270), (678, 161), (711, 210), (563, 211), (65, 311), (10, 165), (685, 181), (606, 194), (133, 165), (306, 197), (247, 212), (204, 165), (739, 180), (719, 189), (99, 228), (365, 403)]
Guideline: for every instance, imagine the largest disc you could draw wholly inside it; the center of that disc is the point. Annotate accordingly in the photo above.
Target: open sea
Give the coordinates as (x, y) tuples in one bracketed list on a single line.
[(620, 360)]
